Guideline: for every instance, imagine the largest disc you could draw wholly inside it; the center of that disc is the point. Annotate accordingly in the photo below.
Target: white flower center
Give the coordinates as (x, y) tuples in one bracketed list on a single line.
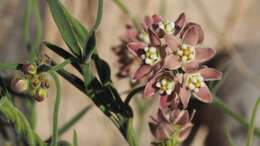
[(167, 26), (195, 82), (186, 53), (165, 86), (151, 55)]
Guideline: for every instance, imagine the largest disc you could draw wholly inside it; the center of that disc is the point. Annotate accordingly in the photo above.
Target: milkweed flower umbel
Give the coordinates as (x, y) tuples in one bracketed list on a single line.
[(172, 59), (173, 127)]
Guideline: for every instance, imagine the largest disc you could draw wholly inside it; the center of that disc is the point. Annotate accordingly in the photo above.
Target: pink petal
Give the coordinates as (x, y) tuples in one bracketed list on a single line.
[(185, 96), (156, 19), (163, 101), (172, 62), (182, 118), (149, 90), (185, 132), (204, 95), (180, 22), (142, 71), (135, 47), (210, 74), (193, 34), (161, 117), (204, 54), (190, 67), (155, 40), (172, 42)]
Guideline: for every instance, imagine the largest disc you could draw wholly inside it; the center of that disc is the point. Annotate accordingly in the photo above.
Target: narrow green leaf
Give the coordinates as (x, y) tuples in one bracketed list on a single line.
[(65, 27), (75, 138), (103, 69), (97, 23), (131, 137), (90, 47), (22, 126), (55, 137), (251, 129), (74, 120)]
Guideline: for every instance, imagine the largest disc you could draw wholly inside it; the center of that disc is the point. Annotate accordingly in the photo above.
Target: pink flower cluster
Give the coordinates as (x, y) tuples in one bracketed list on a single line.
[(172, 56)]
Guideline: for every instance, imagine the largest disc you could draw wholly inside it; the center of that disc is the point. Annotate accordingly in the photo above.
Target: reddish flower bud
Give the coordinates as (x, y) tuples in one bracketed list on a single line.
[(19, 84), (29, 69), (40, 94)]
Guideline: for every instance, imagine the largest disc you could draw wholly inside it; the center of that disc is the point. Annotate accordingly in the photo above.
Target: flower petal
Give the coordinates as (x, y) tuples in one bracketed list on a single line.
[(172, 42), (142, 71), (135, 47), (185, 132), (190, 67), (161, 117), (204, 95), (185, 96), (182, 117), (149, 90), (156, 19), (172, 62), (192, 34), (204, 54), (210, 74), (163, 101), (180, 22), (155, 40)]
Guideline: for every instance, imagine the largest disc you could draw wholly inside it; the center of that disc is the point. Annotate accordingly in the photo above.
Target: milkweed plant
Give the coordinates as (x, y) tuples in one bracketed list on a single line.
[(172, 69)]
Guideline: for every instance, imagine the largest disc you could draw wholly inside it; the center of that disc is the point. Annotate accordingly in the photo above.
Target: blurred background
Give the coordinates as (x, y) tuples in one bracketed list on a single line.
[(230, 26)]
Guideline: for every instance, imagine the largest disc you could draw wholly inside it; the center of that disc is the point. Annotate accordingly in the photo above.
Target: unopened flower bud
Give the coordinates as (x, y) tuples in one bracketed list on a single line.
[(36, 83), (40, 94), (19, 85), (29, 69)]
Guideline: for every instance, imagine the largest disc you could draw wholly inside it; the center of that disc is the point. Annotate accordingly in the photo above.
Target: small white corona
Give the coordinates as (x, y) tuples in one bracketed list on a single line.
[(165, 86), (186, 53), (195, 82), (167, 26), (151, 55)]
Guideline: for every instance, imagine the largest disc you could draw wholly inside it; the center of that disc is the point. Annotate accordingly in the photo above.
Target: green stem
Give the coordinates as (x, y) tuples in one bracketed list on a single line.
[(60, 66), (38, 30), (250, 134), (229, 138), (54, 141), (221, 105), (8, 66)]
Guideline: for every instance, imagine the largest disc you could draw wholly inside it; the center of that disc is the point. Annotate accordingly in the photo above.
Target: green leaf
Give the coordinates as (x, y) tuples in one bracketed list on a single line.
[(98, 21), (90, 47), (75, 138), (251, 129), (55, 137), (21, 124), (103, 69), (66, 29)]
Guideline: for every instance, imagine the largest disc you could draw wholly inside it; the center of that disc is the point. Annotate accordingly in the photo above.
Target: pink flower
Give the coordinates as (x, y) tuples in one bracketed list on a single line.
[(177, 126), (194, 83), (185, 52), (162, 26), (167, 86), (151, 55)]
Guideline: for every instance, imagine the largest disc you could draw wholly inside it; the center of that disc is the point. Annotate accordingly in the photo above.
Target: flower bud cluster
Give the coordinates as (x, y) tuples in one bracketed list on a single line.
[(30, 81), (171, 57)]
